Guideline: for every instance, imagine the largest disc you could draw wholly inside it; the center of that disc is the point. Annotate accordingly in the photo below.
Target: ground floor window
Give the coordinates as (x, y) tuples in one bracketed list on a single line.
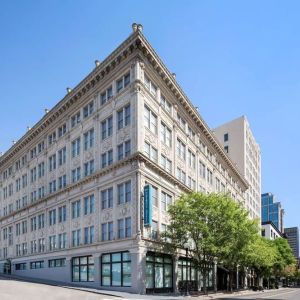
[(59, 262), (116, 269), (20, 266), (83, 269), (159, 272), (187, 275), (37, 264)]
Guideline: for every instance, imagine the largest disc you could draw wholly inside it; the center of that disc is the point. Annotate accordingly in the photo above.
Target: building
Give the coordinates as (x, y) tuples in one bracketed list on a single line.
[(238, 141), (84, 193), (272, 211), (292, 235), (270, 231)]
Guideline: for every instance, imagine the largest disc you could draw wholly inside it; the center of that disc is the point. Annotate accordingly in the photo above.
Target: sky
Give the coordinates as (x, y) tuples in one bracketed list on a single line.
[(231, 58)]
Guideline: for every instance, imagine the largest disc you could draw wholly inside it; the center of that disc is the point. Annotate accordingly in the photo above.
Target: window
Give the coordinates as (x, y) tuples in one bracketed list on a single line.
[(33, 246), (41, 245), (107, 158), (41, 146), (123, 82), (150, 85), (20, 266), (52, 186), (202, 170), (62, 214), (226, 137), (88, 139), (88, 109), (159, 270), (166, 163), (62, 240), (107, 95), (76, 237), (89, 233), (52, 162), (55, 263), (62, 181), (76, 209), (226, 148), (124, 150), (107, 231), (191, 159), (41, 169), (83, 269), (52, 138), (62, 130), (75, 119), (107, 198), (76, 147), (52, 217), (191, 134), (181, 122), (76, 174), (209, 176), (89, 204), (150, 120), (33, 224), (123, 117), (124, 192), (181, 149), (37, 265), (89, 168), (116, 269), (124, 228), (150, 152), (41, 221), (62, 156), (166, 200), (166, 135), (52, 242), (33, 175), (107, 128), (181, 175), (191, 183), (165, 104)]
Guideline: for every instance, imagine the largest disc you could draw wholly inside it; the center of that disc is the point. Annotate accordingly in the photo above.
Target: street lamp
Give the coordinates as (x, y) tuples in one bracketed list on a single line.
[(186, 247)]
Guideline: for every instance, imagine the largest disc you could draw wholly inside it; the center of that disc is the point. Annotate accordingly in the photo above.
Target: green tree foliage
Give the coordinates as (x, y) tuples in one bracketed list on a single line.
[(216, 226)]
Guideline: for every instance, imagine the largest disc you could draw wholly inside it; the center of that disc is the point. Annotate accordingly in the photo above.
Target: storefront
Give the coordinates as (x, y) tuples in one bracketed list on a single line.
[(159, 273)]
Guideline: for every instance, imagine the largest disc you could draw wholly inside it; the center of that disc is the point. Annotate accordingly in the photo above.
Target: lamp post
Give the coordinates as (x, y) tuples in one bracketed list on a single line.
[(186, 247)]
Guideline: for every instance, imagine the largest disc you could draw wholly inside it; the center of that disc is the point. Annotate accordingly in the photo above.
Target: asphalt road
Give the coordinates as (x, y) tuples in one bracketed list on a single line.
[(20, 290), (283, 294)]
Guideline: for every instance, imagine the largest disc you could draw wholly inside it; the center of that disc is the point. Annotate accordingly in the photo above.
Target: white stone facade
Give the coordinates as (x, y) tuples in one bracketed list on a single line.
[(238, 141), (156, 136)]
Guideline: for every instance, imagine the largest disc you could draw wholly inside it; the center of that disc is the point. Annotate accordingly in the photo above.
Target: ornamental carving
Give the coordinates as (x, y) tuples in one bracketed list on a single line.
[(52, 230), (62, 228), (76, 162), (124, 135), (165, 151), (108, 216), (151, 138), (76, 224), (42, 233), (89, 155), (62, 171), (107, 145)]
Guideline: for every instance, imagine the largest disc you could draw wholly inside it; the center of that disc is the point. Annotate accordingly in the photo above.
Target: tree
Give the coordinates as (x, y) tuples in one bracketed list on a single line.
[(285, 258), (216, 226)]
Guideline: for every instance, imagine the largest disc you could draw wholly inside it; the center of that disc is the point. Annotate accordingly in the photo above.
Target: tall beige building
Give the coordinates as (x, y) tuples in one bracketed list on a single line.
[(239, 143), (84, 193)]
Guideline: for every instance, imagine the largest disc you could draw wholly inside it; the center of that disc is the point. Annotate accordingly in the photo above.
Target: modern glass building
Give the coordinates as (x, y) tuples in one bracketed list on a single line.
[(292, 235), (271, 211)]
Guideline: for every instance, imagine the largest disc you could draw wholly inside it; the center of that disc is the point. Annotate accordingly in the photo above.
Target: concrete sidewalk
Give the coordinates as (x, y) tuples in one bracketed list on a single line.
[(124, 295)]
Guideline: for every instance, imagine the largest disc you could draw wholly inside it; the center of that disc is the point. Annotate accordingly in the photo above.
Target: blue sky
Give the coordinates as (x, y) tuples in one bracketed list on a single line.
[(231, 58)]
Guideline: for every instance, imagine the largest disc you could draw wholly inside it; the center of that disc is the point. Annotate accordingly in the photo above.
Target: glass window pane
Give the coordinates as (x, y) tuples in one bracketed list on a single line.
[(116, 257), (75, 273), (149, 275), (91, 270), (116, 274), (83, 273), (106, 258), (126, 256), (159, 274), (127, 274)]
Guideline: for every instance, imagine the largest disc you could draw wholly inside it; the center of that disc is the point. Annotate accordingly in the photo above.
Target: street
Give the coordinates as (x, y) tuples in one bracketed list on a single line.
[(283, 294), (20, 290)]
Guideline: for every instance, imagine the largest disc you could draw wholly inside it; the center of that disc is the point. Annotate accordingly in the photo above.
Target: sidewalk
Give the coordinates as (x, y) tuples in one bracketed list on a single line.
[(124, 295)]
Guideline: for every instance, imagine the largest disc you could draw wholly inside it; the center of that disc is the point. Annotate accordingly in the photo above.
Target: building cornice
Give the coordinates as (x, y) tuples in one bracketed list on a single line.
[(134, 159)]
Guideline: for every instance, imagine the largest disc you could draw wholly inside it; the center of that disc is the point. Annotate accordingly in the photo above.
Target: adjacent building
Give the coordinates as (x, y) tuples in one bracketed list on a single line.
[(239, 143), (84, 193), (272, 211), (292, 235), (270, 231)]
